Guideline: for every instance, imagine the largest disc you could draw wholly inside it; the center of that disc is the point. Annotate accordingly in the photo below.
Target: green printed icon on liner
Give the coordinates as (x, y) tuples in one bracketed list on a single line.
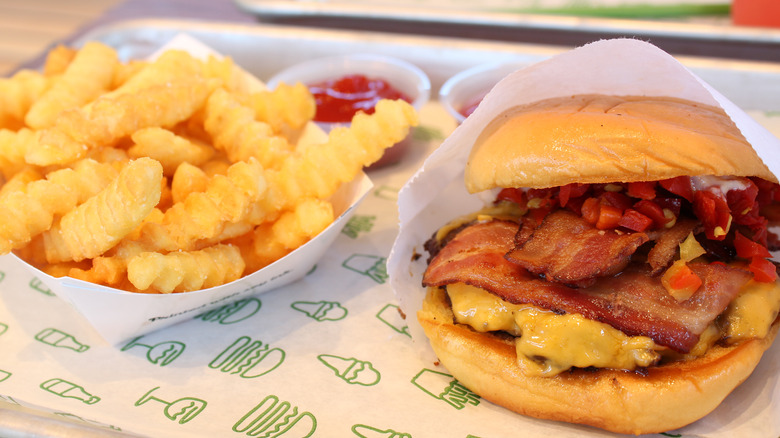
[(4, 375), (233, 312), (161, 353), (248, 359), (181, 410), (351, 370), (363, 431), (374, 267), (37, 285), (3, 328), (66, 389), (358, 224), (321, 310), (58, 338), (386, 192), (444, 387), (391, 315), (275, 418)]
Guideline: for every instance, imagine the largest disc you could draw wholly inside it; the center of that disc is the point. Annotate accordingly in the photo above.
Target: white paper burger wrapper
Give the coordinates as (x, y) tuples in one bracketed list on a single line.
[(119, 315), (436, 194)]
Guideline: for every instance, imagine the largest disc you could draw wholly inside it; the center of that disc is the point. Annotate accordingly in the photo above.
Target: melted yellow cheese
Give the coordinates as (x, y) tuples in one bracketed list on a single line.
[(548, 343), (752, 313), (501, 210)]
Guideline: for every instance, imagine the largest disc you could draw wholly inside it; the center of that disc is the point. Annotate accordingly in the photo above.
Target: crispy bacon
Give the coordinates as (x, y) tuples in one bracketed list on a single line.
[(567, 249), (668, 241), (632, 302)]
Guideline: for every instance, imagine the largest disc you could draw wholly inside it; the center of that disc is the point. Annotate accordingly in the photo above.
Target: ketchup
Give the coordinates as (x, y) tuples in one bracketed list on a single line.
[(340, 99), (469, 107)]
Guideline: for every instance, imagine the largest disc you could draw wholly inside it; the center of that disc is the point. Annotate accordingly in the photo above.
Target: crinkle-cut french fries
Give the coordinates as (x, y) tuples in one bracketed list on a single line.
[(30, 209), (184, 271), (285, 106), (273, 240), (58, 59), (168, 175), (98, 224), (169, 149), (87, 76), (17, 94), (235, 131), (186, 180), (13, 149), (110, 119)]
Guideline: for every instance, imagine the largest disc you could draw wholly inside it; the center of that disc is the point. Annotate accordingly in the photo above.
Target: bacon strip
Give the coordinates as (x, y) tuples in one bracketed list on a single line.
[(632, 302), (665, 249), (567, 249)]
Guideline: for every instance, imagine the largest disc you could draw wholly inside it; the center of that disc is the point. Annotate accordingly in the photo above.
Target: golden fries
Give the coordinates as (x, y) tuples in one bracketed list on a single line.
[(169, 175)]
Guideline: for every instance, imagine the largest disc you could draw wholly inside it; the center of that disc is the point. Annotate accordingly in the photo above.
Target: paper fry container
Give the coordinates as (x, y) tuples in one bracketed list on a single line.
[(436, 193), (118, 315)]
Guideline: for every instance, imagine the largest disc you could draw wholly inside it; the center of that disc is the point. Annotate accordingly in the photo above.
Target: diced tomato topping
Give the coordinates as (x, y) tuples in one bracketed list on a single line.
[(571, 191), (672, 204), (641, 190), (617, 199), (714, 213), (680, 281), (742, 202), (680, 186), (748, 249), (609, 216), (653, 211), (590, 210), (634, 220), (513, 195), (763, 270)]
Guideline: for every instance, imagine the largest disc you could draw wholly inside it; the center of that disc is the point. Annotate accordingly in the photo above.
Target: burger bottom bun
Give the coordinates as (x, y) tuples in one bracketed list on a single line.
[(665, 398)]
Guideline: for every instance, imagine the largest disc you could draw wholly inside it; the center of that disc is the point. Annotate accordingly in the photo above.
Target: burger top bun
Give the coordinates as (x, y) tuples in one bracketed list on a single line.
[(602, 138)]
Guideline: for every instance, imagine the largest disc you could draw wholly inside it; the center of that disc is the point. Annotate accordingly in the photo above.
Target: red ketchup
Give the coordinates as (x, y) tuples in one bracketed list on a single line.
[(470, 106), (340, 99)]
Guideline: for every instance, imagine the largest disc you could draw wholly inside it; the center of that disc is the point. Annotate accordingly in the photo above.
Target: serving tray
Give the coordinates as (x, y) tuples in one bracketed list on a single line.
[(693, 27), (136, 386)]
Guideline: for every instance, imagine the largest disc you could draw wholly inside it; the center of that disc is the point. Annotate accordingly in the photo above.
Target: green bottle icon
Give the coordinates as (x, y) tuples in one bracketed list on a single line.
[(66, 389), (58, 338)]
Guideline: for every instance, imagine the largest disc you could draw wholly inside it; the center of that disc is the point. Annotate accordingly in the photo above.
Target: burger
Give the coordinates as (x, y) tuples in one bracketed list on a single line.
[(620, 276)]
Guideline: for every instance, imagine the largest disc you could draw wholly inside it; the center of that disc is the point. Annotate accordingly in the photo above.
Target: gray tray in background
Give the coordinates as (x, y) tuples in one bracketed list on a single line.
[(712, 35)]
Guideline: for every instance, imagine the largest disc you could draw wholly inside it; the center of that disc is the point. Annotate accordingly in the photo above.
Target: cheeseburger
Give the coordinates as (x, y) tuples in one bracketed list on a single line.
[(622, 276)]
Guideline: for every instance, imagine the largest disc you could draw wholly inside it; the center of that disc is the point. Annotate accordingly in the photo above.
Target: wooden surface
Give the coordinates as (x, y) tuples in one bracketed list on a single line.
[(30, 27)]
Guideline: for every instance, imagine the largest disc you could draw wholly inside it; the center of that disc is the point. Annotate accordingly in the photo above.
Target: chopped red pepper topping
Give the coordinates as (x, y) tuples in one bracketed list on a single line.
[(635, 221), (680, 186), (641, 190), (644, 206)]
